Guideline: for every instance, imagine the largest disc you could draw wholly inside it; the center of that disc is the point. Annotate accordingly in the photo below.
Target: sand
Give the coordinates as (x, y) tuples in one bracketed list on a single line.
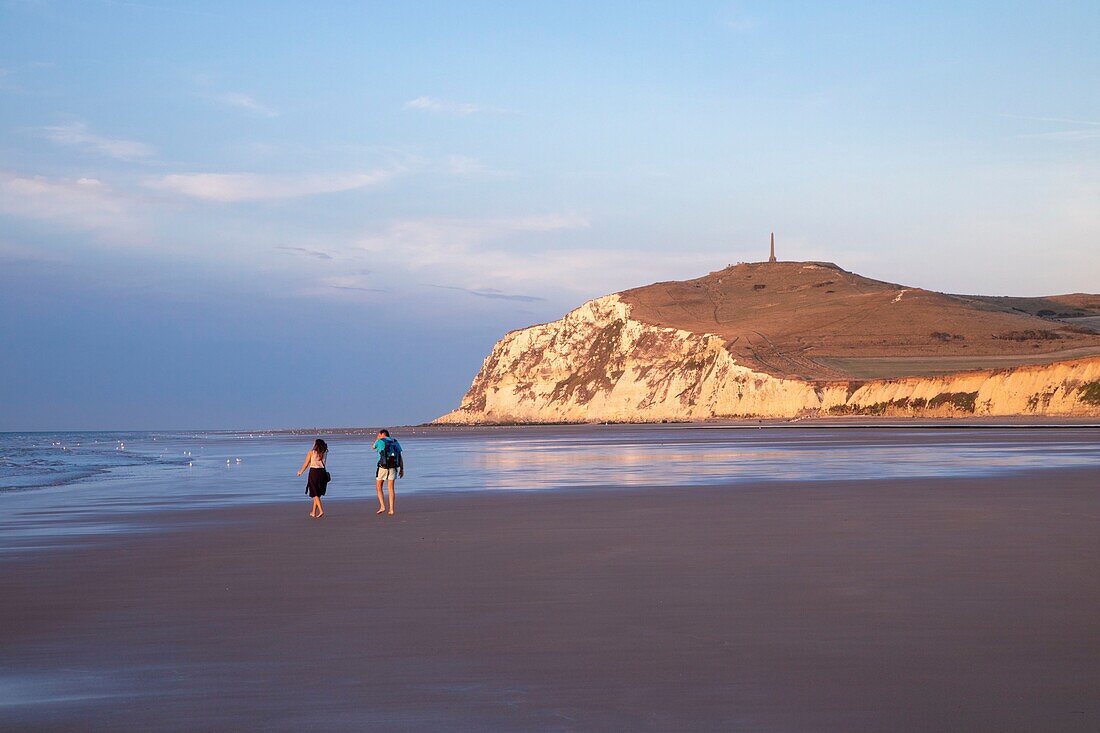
[(962, 605)]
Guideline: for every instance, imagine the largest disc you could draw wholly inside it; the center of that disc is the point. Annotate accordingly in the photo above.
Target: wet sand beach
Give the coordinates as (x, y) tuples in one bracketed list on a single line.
[(962, 604)]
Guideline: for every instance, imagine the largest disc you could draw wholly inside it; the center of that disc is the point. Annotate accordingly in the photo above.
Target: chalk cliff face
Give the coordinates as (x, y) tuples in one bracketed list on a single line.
[(600, 364)]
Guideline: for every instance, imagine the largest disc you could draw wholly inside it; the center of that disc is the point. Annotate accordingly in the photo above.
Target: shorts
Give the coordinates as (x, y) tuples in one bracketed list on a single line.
[(386, 474)]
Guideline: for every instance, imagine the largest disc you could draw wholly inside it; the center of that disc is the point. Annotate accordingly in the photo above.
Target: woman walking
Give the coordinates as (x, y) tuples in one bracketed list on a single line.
[(318, 476)]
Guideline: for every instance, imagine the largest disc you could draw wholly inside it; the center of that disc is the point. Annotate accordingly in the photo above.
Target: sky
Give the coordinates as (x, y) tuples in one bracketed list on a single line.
[(258, 215)]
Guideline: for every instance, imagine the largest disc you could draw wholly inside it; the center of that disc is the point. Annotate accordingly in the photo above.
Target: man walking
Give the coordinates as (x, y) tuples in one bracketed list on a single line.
[(390, 465)]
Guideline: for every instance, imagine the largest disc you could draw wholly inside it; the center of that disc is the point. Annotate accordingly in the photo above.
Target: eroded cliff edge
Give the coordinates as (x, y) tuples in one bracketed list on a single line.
[(599, 364)]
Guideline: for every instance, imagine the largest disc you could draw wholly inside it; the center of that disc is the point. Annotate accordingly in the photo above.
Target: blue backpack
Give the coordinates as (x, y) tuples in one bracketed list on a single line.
[(390, 457)]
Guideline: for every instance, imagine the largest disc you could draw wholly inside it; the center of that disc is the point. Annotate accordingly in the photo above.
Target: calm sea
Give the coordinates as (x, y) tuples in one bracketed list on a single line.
[(66, 484)]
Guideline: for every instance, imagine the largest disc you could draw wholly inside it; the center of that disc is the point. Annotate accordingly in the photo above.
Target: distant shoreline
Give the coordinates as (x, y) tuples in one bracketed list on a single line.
[(747, 423)]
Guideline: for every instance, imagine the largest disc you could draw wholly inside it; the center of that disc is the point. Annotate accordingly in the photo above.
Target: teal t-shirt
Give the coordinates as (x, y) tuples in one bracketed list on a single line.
[(380, 446)]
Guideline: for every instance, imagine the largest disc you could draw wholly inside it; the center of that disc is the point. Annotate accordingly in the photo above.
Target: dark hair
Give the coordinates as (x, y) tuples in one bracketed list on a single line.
[(320, 446), (385, 432)]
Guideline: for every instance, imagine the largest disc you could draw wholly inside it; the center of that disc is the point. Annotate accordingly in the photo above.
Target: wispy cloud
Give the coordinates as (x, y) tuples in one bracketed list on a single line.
[(239, 100), (358, 288), (491, 293), (233, 187), (315, 253), (1055, 119), (463, 165), (436, 240), (734, 19), (82, 203), (519, 258), (479, 256), (1086, 134), (349, 283), (1080, 130), (444, 107), (16, 254), (77, 134)]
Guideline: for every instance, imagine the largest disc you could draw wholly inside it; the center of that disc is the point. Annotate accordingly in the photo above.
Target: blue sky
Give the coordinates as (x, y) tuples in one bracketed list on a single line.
[(221, 215)]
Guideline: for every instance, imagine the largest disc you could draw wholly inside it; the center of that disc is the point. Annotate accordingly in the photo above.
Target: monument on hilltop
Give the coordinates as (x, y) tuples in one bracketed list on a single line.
[(772, 258)]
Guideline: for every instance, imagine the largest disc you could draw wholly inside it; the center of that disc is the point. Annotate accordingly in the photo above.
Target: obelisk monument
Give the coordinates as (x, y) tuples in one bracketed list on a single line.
[(772, 258)]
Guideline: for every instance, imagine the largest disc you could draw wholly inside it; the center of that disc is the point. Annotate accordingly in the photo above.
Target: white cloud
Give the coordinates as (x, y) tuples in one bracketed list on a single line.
[(78, 135), (231, 187), (239, 100), (469, 253), (1056, 119), (738, 21), (1084, 134), (82, 203), (463, 165), (439, 106), (439, 240), (522, 257), (1079, 129)]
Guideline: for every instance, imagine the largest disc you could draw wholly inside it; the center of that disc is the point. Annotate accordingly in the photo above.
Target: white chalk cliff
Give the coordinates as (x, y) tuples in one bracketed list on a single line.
[(598, 364)]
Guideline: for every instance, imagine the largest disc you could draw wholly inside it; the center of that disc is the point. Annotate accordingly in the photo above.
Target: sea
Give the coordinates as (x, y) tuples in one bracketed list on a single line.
[(56, 487)]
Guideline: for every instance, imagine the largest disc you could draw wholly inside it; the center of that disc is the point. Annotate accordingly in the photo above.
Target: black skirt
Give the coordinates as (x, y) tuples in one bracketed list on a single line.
[(316, 485)]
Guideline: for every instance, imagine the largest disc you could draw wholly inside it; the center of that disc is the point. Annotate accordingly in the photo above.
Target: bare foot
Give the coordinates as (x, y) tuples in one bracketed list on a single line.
[(381, 510), (312, 515), (391, 512), (320, 515)]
